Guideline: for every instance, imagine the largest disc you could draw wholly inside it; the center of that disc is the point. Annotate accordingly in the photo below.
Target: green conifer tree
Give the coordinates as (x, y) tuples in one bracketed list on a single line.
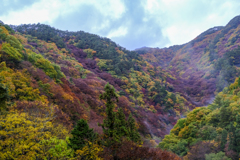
[(121, 124), (231, 137), (224, 139), (115, 126), (81, 135), (109, 124), (132, 130)]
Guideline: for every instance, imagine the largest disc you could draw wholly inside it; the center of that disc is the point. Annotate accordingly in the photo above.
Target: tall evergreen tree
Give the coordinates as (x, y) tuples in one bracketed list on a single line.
[(121, 124), (223, 139), (109, 124), (218, 100), (231, 137), (115, 125), (81, 135), (224, 114), (132, 130)]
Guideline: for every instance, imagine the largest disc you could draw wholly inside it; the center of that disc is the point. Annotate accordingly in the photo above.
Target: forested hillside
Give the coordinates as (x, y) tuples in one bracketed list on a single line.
[(202, 66), (76, 95), (89, 62), (211, 131), (56, 85)]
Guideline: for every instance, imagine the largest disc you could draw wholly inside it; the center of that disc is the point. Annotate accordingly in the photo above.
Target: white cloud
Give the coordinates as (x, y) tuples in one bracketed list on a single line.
[(42, 11), (180, 34), (111, 8), (121, 31), (183, 20), (178, 20), (48, 10)]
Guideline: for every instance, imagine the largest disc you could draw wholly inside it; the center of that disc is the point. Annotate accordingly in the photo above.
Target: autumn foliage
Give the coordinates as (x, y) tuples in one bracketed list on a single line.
[(50, 79), (48, 83)]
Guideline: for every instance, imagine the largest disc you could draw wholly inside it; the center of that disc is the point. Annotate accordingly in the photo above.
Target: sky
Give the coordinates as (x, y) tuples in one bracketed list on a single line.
[(130, 23)]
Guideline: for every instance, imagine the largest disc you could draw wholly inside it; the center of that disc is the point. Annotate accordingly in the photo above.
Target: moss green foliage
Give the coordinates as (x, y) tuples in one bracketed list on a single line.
[(217, 156), (115, 127), (51, 69), (121, 124), (175, 144), (109, 124), (81, 135), (58, 148), (132, 133), (14, 42), (11, 52)]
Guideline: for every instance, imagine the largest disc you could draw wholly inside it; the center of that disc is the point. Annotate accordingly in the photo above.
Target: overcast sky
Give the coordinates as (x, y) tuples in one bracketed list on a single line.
[(130, 23)]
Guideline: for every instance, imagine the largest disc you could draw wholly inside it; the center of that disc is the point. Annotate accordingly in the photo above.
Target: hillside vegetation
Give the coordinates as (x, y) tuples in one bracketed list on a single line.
[(202, 66), (207, 130), (89, 62), (76, 95), (57, 85)]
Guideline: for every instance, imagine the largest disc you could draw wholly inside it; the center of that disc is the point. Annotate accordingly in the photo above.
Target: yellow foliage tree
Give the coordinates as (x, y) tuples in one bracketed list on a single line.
[(4, 30), (89, 152), (10, 51), (21, 134), (18, 84)]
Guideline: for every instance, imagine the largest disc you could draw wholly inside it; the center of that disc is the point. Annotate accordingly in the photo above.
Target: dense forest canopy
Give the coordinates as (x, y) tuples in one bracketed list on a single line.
[(76, 95), (58, 77)]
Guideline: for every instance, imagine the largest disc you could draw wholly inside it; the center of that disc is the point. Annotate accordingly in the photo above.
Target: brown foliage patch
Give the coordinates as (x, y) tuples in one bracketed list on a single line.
[(130, 151)]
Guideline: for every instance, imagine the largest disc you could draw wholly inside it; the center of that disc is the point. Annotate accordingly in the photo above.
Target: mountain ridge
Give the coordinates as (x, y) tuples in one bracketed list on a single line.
[(88, 62), (68, 70), (198, 57)]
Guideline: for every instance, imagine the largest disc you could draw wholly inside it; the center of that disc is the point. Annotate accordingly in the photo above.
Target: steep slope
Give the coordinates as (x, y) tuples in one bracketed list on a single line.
[(68, 70), (202, 66), (47, 90), (210, 129)]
